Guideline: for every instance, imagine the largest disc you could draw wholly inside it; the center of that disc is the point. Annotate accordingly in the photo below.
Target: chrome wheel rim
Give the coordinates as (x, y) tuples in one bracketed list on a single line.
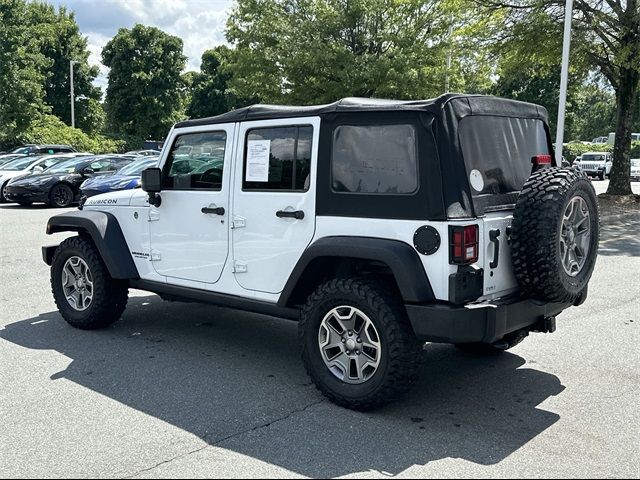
[(575, 236), (62, 196), (77, 283), (349, 345)]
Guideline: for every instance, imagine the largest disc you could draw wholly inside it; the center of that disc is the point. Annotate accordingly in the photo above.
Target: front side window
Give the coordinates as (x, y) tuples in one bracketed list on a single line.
[(278, 159), (196, 162), (375, 159)]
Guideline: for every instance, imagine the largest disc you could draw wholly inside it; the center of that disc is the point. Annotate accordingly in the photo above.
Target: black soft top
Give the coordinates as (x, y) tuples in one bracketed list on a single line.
[(460, 105)]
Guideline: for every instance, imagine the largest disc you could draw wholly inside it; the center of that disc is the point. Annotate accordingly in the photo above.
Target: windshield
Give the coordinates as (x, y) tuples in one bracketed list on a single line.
[(68, 166), (598, 157), (21, 150), (18, 164), (137, 167), (635, 162)]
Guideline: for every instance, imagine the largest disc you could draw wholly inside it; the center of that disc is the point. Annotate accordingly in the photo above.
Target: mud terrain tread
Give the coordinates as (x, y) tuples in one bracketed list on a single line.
[(109, 297), (402, 349), (534, 237)]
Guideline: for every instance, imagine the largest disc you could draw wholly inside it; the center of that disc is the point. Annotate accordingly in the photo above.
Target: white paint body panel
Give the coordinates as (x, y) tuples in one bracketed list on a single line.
[(436, 265), (498, 281)]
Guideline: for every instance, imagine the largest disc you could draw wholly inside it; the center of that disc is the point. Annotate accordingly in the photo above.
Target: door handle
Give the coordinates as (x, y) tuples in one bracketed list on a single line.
[(297, 214), (493, 236), (212, 210)]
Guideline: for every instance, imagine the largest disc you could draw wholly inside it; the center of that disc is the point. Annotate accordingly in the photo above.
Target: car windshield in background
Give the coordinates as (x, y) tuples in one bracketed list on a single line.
[(592, 158), (137, 167), (50, 162), (22, 150), (635, 162), (68, 166), (18, 164)]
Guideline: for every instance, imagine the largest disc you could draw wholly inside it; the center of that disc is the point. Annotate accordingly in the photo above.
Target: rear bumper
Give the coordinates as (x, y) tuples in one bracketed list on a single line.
[(487, 323)]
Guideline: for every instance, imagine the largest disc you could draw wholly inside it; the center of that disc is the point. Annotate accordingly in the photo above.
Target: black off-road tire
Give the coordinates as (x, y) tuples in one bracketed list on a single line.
[(55, 196), (536, 229), (401, 353), (109, 295), (601, 175)]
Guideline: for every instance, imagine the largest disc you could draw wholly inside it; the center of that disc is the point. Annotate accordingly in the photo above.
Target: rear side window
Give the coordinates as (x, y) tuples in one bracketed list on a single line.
[(278, 159), (498, 151), (374, 159)]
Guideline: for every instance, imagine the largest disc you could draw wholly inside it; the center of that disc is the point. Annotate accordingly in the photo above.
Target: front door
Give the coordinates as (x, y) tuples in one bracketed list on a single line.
[(189, 230), (274, 200)]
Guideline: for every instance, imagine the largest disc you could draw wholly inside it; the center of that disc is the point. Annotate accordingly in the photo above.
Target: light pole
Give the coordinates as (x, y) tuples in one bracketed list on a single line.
[(564, 74), (73, 113)]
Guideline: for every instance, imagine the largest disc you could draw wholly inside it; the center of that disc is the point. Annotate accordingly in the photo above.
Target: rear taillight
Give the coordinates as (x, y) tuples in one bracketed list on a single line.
[(540, 160), (463, 244)]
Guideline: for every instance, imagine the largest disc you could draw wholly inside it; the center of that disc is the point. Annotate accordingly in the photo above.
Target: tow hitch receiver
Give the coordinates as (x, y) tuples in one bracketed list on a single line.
[(546, 325)]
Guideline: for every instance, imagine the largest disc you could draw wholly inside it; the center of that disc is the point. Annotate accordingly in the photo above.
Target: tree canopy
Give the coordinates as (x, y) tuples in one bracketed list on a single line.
[(145, 95), (21, 66), (305, 51), (59, 40)]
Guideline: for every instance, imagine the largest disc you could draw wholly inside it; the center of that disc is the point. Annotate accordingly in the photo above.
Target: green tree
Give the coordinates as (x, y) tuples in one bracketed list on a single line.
[(21, 64), (593, 112), (305, 51), (211, 91), (59, 40), (145, 94), (609, 31)]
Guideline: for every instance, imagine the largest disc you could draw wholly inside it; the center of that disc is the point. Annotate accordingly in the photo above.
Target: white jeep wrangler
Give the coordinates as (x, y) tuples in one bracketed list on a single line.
[(596, 164), (379, 225)]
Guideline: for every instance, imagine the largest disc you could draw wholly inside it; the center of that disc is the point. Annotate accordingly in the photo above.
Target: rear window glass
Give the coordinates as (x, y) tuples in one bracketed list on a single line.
[(498, 150), (375, 159)]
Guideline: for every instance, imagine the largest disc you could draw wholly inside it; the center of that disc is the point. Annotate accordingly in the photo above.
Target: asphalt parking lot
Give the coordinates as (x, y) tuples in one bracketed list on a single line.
[(188, 390)]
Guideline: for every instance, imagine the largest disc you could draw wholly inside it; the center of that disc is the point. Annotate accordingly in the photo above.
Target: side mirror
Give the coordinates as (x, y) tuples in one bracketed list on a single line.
[(38, 169), (151, 183), (88, 171)]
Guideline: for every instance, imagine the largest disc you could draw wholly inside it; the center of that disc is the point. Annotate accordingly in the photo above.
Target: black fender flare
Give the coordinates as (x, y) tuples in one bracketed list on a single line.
[(105, 231), (399, 256)]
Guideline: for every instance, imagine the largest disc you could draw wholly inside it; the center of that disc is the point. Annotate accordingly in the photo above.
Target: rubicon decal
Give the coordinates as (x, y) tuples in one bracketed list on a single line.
[(107, 201)]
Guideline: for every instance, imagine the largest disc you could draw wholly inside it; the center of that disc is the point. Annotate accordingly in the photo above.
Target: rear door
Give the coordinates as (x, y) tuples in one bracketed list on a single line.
[(274, 200)]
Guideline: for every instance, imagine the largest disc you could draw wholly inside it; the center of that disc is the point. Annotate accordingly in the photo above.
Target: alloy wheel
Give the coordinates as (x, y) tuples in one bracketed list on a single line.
[(77, 283), (349, 344)]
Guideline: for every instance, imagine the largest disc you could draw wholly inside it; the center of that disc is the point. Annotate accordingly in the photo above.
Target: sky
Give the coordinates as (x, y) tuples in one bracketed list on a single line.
[(200, 23)]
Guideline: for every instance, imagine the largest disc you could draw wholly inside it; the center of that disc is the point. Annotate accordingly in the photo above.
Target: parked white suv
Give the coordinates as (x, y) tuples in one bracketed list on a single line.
[(379, 225), (596, 164), (635, 169)]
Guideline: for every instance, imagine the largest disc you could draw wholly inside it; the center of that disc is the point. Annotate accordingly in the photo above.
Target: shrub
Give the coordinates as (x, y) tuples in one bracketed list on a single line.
[(571, 150), (50, 129)]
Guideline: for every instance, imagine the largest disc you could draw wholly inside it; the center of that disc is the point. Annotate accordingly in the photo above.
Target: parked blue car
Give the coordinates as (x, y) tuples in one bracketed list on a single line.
[(126, 178)]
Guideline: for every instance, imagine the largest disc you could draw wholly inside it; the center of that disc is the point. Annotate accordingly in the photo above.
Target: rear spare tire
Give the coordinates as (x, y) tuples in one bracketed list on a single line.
[(555, 234)]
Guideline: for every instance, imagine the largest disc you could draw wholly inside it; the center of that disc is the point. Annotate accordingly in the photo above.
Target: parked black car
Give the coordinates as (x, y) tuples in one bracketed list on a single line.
[(32, 149), (59, 186)]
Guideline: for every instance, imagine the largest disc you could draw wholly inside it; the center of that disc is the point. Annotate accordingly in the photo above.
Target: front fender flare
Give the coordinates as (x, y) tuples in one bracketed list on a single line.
[(105, 231)]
